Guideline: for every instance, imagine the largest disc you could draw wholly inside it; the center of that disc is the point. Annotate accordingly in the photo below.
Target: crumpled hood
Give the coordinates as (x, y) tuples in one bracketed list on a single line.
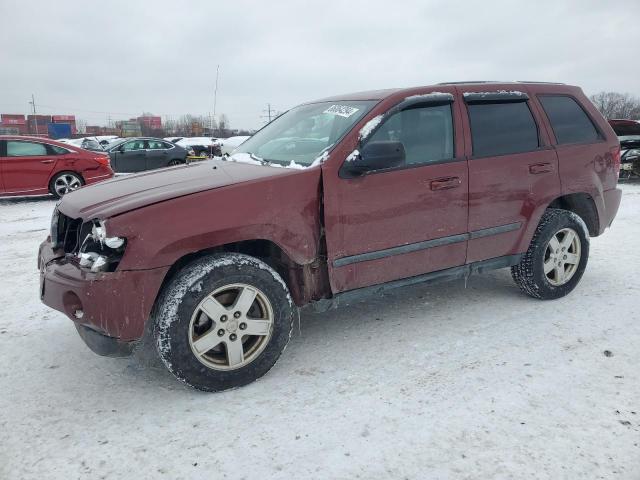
[(122, 194)]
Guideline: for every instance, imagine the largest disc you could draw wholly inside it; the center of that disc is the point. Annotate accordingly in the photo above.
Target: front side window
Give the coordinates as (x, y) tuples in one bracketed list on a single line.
[(569, 121), (303, 133), (425, 132), (135, 145), (502, 128), (25, 149)]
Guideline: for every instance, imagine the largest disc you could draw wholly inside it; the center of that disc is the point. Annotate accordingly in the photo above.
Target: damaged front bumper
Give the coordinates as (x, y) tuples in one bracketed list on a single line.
[(110, 309)]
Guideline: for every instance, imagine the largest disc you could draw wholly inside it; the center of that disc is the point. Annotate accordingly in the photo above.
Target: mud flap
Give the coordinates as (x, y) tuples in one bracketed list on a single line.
[(104, 345)]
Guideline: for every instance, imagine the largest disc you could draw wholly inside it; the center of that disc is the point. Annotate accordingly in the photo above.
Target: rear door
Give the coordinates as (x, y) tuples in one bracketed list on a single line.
[(513, 171), (157, 154), (26, 166), (3, 154), (407, 220), (131, 156)]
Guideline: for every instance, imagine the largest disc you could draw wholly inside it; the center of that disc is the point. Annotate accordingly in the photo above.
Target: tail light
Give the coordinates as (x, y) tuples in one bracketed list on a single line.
[(105, 161), (615, 156)]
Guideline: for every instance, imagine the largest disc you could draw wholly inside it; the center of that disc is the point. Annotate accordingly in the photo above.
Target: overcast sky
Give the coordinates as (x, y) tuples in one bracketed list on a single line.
[(119, 58)]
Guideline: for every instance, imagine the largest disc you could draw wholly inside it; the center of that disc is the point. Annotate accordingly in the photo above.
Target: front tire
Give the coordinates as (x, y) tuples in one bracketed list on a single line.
[(557, 256), (222, 321)]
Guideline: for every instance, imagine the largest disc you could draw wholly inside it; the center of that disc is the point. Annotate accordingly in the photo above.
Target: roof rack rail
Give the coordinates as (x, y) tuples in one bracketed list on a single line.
[(470, 81), (534, 81), (498, 81)]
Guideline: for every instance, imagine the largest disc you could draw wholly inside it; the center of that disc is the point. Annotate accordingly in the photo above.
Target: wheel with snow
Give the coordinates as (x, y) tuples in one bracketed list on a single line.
[(65, 182), (557, 256), (222, 321)]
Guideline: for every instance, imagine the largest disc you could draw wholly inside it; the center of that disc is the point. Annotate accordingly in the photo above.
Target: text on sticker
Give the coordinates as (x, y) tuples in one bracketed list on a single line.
[(342, 110)]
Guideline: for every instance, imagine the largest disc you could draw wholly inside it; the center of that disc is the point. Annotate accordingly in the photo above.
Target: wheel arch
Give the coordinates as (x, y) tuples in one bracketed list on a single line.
[(583, 205), (305, 282)]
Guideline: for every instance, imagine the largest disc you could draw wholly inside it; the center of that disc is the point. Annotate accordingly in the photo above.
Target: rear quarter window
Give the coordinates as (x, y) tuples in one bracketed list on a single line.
[(569, 121), (502, 128)]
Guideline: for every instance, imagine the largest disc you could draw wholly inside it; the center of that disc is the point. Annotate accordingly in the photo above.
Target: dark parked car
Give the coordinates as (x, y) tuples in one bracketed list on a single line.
[(201, 146), (37, 166), (86, 143), (334, 200), (628, 132), (140, 154)]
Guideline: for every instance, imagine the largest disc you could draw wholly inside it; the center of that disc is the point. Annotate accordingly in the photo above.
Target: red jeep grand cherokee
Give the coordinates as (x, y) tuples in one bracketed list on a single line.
[(333, 200)]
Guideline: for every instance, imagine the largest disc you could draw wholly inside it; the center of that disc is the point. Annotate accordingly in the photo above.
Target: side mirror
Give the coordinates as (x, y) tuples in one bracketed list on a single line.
[(374, 156)]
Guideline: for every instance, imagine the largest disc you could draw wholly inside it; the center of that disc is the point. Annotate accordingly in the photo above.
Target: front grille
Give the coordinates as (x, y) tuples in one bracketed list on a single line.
[(67, 232)]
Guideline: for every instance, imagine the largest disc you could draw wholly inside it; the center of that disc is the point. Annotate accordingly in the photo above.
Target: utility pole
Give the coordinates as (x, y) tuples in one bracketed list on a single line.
[(33, 104), (215, 92), (270, 113)]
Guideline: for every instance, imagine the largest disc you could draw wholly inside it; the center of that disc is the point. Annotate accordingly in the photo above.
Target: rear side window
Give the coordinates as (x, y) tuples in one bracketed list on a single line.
[(502, 128), (569, 121), (425, 132), (25, 149), (56, 150)]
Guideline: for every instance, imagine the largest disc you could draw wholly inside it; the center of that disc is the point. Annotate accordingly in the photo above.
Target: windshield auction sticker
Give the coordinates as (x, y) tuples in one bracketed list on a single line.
[(342, 110)]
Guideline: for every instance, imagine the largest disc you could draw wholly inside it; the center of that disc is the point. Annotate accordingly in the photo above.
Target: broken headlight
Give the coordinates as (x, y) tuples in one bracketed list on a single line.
[(100, 252)]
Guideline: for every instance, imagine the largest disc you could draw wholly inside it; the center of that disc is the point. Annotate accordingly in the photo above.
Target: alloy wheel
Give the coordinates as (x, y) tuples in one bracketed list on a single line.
[(66, 183), (231, 326), (562, 257)]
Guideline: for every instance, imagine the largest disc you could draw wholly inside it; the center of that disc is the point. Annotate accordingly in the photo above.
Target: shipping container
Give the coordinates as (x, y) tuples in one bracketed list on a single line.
[(39, 119), (151, 122), (93, 130), (6, 117), (13, 121), (63, 118), (59, 130)]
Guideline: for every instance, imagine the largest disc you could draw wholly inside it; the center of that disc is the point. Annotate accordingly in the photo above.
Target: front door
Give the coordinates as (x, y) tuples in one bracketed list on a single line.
[(26, 166), (407, 220)]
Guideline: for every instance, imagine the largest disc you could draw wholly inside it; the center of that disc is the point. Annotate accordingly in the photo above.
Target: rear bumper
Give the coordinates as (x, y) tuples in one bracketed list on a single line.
[(115, 304), (611, 200), (96, 176)]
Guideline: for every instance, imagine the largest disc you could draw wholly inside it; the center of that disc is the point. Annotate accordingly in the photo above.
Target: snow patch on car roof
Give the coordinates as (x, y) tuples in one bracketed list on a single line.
[(430, 96), (509, 92)]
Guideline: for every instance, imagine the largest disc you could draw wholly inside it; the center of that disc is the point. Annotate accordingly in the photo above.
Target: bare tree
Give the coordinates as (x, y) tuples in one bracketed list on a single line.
[(223, 129), (81, 125), (617, 105)]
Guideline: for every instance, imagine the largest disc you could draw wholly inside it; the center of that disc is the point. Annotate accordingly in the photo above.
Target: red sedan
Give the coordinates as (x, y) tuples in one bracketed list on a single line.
[(37, 166)]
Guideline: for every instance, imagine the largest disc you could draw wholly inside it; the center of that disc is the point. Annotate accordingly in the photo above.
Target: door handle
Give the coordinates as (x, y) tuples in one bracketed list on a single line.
[(538, 168), (445, 183), (46, 161)]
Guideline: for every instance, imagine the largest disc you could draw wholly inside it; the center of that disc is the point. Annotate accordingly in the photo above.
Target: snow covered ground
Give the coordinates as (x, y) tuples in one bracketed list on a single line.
[(425, 383)]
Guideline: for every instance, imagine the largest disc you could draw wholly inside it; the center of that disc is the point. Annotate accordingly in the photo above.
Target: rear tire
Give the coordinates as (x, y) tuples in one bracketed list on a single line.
[(173, 163), (65, 182), (222, 321), (557, 256)]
